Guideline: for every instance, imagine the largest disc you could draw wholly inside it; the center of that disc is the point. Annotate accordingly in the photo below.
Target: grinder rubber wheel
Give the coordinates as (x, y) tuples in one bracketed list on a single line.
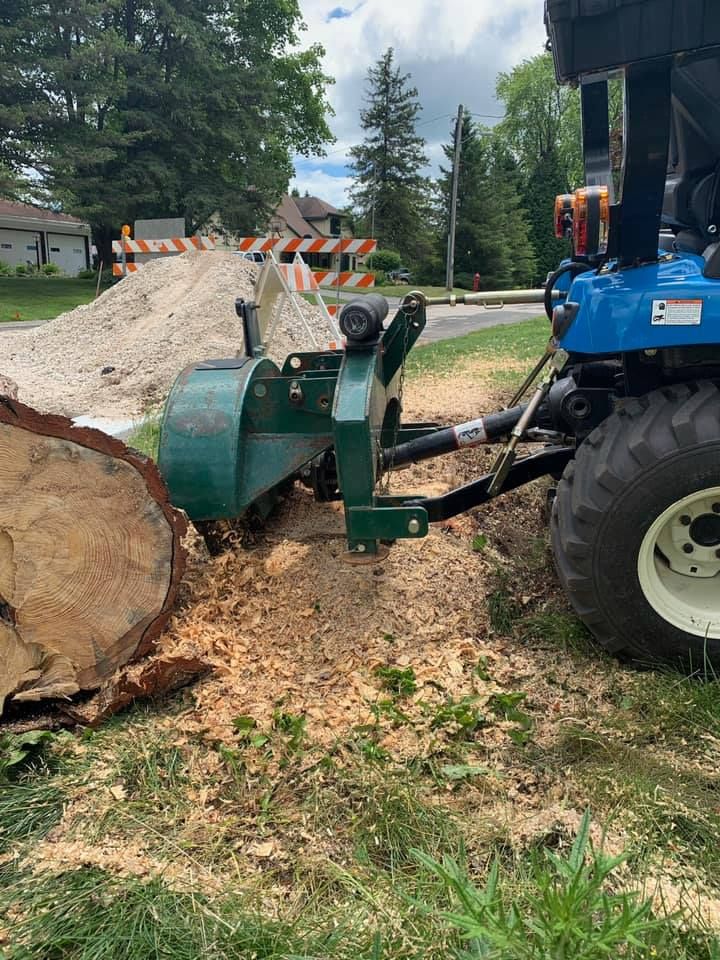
[(636, 529)]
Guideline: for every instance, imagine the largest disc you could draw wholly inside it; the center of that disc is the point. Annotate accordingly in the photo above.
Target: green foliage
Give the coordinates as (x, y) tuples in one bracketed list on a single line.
[(25, 270), (34, 298), (29, 809), (567, 910), (50, 270), (461, 714), (17, 749), (541, 118), (390, 192), (246, 728), (492, 234), (545, 182), (506, 706), (503, 610), (384, 260), (139, 109), (542, 130), (479, 543), (87, 275), (6, 270), (92, 914), (398, 681), (292, 727), (145, 437)]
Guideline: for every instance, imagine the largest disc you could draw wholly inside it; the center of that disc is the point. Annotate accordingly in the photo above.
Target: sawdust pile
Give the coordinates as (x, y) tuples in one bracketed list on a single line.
[(119, 356), (288, 625)]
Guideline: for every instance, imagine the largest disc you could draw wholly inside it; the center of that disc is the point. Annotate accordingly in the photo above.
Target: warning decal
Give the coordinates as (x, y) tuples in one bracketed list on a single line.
[(677, 313)]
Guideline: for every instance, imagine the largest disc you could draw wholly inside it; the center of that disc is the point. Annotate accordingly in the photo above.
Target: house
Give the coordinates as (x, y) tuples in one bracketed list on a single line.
[(311, 218), (36, 235)]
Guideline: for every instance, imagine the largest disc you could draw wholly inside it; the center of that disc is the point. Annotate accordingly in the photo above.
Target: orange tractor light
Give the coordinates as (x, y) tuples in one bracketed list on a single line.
[(591, 221)]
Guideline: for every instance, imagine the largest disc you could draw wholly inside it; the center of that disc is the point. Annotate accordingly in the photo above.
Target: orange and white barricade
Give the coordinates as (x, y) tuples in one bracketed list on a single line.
[(172, 245)]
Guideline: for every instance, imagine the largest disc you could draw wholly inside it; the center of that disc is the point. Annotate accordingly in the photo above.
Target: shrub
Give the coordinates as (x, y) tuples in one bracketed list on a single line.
[(383, 260), (6, 270), (87, 275), (464, 280), (21, 270), (50, 270)]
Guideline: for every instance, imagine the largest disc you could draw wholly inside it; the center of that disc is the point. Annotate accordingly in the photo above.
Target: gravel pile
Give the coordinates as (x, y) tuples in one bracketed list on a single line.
[(118, 357)]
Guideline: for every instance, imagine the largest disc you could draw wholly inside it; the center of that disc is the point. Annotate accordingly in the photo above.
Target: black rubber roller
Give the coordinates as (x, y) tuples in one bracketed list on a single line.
[(361, 320)]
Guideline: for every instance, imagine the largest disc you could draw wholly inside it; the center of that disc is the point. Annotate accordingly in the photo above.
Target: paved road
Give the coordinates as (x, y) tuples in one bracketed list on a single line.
[(446, 322), (443, 322), (23, 325)]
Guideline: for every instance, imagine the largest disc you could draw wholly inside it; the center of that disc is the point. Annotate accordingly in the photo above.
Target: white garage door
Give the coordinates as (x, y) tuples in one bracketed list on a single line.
[(17, 246), (67, 252)]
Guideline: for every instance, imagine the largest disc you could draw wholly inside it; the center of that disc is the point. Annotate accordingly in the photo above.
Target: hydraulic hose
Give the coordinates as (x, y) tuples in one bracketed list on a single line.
[(574, 268), (488, 429)]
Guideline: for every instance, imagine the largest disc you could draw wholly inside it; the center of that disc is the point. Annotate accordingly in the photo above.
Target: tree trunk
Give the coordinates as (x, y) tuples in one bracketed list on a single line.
[(90, 555)]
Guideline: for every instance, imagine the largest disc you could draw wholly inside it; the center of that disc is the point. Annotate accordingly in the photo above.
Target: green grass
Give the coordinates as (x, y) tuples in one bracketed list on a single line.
[(41, 298), (146, 436), (383, 856), (523, 342)]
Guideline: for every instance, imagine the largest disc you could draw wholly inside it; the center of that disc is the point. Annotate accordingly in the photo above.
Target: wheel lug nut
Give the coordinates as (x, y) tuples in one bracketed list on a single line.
[(688, 548), (685, 520)]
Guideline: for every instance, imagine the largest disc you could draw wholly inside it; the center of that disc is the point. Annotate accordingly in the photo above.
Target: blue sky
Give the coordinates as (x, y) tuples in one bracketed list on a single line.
[(453, 49)]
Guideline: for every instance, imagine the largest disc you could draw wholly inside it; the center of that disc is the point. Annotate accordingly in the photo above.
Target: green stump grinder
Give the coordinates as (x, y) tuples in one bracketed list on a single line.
[(623, 409)]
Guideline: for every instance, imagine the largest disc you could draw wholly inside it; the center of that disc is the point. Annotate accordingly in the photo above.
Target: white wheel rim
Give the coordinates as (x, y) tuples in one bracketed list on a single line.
[(679, 564)]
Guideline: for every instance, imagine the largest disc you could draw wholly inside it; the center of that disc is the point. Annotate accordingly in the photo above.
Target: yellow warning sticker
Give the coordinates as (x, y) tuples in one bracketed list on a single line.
[(677, 313)]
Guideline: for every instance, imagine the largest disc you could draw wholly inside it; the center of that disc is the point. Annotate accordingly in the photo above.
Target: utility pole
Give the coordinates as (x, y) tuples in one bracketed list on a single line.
[(450, 275)]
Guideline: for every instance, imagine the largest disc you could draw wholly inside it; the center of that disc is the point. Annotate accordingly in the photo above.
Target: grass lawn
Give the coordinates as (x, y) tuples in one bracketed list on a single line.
[(519, 341), (532, 799), (41, 298)]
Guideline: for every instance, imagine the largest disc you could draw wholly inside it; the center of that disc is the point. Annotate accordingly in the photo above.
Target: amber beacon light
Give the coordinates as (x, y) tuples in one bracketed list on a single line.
[(591, 221)]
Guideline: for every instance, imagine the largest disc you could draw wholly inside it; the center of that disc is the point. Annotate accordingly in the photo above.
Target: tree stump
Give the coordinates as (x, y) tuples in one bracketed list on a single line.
[(90, 555)]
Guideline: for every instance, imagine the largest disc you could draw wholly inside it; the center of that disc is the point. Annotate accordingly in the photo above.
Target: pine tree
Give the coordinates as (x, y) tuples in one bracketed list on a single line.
[(545, 182), (390, 193), (144, 108), (491, 236)]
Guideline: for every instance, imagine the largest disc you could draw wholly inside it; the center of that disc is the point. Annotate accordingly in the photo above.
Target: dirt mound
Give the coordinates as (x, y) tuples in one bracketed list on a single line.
[(119, 356)]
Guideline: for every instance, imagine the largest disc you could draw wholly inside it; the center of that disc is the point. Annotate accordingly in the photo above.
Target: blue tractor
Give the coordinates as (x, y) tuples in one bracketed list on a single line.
[(623, 409)]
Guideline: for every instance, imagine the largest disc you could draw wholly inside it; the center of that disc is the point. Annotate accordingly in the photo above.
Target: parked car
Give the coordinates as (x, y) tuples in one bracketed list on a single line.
[(401, 275), (254, 256)]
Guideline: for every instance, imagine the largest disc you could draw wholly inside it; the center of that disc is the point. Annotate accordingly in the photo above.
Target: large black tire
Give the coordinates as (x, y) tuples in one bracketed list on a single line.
[(646, 457)]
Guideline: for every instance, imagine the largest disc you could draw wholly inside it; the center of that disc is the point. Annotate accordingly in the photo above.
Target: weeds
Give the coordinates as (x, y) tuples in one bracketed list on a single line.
[(462, 715), (400, 682), (567, 908), (19, 749)]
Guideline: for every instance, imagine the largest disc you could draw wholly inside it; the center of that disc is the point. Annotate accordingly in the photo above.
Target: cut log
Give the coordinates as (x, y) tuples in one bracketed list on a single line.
[(90, 555)]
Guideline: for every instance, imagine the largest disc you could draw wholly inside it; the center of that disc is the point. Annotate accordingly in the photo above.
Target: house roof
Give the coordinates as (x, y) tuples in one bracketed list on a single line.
[(313, 208), (288, 211), (26, 211)]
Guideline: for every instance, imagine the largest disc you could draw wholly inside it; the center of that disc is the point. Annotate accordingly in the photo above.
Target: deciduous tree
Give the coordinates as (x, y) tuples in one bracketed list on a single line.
[(142, 108)]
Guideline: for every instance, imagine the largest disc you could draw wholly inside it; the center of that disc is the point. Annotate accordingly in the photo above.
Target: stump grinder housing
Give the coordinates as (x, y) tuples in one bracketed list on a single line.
[(623, 409)]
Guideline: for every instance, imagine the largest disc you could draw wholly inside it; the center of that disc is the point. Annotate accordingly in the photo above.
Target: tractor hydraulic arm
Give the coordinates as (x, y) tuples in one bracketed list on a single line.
[(488, 429)]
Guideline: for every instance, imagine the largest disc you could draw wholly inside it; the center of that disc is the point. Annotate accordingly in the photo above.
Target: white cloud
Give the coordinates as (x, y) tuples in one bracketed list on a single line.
[(318, 183), (453, 49)]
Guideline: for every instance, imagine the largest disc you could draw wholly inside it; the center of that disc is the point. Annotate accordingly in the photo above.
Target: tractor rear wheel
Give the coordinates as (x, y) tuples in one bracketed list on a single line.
[(636, 529)]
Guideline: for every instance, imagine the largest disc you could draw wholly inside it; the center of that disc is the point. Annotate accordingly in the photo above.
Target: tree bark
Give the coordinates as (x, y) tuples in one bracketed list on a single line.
[(90, 555)]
